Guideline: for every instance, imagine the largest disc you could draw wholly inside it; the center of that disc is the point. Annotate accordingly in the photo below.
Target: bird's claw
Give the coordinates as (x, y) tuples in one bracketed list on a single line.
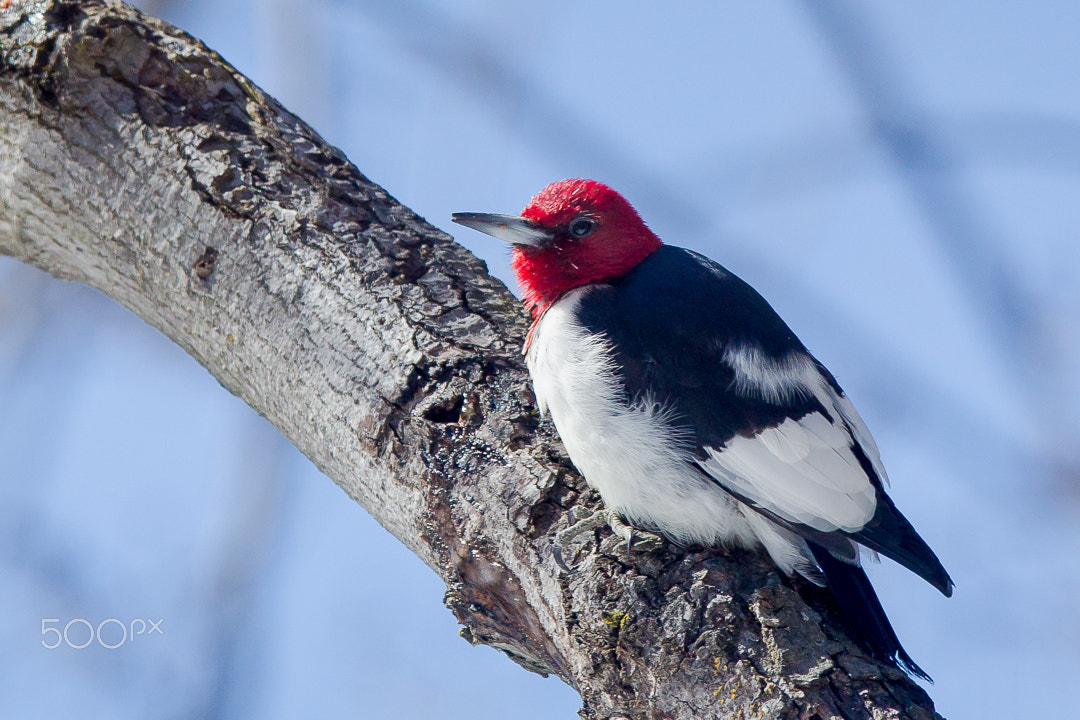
[(556, 552), (592, 521), (631, 535), (584, 523)]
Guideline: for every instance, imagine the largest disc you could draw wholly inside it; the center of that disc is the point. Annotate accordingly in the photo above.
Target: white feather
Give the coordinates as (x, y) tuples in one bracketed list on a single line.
[(816, 481), (858, 428), (764, 378), (787, 549)]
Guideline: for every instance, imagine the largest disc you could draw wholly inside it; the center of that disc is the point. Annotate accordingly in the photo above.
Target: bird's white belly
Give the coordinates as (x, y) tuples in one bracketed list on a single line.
[(628, 451)]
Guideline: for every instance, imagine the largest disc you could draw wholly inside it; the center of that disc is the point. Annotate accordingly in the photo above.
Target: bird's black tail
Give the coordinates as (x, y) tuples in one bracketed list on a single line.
[(863, 611)]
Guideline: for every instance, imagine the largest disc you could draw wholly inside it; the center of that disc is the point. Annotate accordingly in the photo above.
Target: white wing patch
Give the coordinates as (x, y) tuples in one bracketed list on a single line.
[(805, 471), (858, 428), (764, 378)]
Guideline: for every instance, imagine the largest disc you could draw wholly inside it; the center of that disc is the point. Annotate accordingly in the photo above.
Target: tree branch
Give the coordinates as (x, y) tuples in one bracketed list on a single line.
[(134, 159)]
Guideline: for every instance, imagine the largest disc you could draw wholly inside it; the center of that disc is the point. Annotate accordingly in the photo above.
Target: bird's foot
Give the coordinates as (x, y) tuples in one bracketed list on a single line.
[(631, 535), (586, 522), (583, 522)]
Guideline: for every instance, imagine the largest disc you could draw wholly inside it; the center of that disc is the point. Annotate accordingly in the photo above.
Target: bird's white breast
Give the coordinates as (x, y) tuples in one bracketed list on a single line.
[(626, 448)]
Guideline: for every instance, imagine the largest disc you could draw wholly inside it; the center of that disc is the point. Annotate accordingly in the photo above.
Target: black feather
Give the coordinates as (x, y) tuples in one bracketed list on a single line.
[(669, 322), (863, 612), (890, 533)]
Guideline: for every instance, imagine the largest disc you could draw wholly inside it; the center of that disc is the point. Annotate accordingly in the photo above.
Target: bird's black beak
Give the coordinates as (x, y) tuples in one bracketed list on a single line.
[(509, 228)]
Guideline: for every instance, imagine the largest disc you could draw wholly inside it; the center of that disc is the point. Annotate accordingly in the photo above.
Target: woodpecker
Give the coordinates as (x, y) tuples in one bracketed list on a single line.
[(694, 410)]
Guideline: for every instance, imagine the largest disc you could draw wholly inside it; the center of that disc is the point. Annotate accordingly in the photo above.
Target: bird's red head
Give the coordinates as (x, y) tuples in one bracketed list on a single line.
[(593, 235)]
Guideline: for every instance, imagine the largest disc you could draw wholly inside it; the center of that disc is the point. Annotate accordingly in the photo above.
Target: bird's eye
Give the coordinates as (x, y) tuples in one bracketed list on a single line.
[(582, 227)]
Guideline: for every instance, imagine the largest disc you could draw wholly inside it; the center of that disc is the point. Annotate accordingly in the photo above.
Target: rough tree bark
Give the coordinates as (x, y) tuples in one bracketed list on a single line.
[(134, 159)]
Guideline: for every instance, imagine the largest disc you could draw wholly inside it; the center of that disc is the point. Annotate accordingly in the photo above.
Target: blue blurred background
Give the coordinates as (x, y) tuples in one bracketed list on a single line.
[(901, 180)]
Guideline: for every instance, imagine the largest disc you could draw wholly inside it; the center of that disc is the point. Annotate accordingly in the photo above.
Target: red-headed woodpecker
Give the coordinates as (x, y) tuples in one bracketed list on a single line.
[(693, 409)]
